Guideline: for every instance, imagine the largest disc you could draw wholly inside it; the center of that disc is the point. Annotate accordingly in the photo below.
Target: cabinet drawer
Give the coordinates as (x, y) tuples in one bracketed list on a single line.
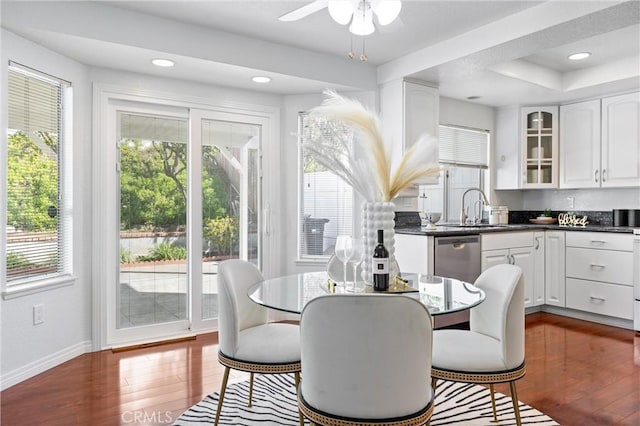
[(600, 298), (600, 240), (600, 265), (505, 240)]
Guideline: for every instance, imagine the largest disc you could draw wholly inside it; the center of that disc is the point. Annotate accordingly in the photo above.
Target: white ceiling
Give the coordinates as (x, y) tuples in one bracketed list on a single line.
[(505, 52)]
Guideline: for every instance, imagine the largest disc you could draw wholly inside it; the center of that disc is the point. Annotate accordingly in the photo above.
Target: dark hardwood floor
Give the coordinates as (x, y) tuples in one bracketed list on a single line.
[(579, 373)]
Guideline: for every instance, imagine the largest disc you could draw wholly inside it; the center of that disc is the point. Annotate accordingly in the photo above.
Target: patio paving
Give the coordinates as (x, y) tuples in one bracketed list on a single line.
[(151, 294)]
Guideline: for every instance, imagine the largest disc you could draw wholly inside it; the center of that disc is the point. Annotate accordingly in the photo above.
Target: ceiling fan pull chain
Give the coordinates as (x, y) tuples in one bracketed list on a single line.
[(351, 54), (363, 56)]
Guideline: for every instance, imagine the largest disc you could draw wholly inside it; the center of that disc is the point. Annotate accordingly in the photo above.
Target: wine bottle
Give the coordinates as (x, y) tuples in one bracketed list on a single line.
[(380, 265)]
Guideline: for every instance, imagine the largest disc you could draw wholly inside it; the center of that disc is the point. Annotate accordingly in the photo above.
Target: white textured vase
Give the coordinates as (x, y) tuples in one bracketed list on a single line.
[(378, 215)]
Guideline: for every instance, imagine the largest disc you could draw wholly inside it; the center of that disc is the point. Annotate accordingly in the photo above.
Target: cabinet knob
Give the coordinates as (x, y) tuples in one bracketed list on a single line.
[(595, 175), (603, 174)]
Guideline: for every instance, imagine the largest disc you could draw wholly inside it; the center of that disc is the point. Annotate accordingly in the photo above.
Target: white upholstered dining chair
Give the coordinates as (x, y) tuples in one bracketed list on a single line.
[(492, 351), (366, 359), (247, 342)]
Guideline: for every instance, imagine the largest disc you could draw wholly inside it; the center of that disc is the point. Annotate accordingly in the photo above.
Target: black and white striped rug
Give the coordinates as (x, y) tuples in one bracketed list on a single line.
[(274, 403)]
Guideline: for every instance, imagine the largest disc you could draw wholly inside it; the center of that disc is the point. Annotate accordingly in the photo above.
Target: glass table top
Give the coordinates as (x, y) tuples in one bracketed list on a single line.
[(440, 295)]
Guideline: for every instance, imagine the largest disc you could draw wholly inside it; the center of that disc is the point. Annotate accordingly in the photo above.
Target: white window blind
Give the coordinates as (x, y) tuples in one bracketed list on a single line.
[(153, 128), (326, 201), (464, 147), (38, 199)]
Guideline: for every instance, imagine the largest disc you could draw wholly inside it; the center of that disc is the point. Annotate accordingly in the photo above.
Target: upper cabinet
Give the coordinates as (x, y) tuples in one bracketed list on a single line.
[(580, 145), (540, 147), (621, 141), (600, 143), (506, 163), (408, 110), (526, 148)]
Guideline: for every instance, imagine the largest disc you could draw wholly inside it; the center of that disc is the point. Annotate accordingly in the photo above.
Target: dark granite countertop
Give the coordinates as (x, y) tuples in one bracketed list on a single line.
[(444, 230), (599, 221)]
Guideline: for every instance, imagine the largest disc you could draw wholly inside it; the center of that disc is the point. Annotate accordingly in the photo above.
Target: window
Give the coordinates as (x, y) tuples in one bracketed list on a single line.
[(326, 201), (463, 152), (38, 186)]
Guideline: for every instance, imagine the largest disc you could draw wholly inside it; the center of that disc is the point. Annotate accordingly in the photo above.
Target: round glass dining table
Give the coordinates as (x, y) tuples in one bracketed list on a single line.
[(441, 295)]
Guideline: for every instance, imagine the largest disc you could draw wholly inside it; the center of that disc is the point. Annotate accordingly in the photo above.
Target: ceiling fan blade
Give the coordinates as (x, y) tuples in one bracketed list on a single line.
[(396, 25), (304, 11)]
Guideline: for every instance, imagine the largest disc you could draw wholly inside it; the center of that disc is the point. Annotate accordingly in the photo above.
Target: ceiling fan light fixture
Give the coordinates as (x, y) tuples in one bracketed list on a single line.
[(386, 10), (362, 23), (341, 11)]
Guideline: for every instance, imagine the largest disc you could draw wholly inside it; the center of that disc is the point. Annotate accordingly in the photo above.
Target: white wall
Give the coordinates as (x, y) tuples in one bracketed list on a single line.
[(67, 330), (468, 114), (28, 349)]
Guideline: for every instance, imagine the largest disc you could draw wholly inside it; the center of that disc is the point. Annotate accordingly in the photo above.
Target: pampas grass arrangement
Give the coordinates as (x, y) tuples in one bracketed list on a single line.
[(364, 160)]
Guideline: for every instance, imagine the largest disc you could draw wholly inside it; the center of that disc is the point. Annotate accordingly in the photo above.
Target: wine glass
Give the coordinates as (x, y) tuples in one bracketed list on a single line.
[(344, 250), (357, 256)]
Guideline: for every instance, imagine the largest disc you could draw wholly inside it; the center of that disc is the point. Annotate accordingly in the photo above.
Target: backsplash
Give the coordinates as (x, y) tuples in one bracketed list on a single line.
[(597, 218)]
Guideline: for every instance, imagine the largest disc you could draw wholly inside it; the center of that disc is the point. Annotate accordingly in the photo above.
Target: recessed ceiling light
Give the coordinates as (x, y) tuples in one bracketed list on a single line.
[(261, 79), (579, 56), (163, 62)]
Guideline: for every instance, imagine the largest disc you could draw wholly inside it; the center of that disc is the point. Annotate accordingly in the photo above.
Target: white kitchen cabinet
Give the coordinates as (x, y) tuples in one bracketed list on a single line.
[(554, 267), (580, 145), (538, 267), (415, 253), (408, 110), (539, 147), (515, 249), (506, 162), (621, 141), (600, 143), (599, 273), (526, 148)]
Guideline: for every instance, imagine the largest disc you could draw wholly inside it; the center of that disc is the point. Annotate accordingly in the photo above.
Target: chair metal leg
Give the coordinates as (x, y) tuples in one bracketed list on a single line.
[(300, 415), (493, 403), (514, 398), (223, 388), (250, 390)]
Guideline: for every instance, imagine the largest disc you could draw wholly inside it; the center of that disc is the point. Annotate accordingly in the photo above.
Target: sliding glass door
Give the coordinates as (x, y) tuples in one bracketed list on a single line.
[(230, 199), (188, 197)]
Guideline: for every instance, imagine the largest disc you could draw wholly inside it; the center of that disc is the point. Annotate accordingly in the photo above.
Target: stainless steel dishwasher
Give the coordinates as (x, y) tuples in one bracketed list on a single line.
[(457, 257)]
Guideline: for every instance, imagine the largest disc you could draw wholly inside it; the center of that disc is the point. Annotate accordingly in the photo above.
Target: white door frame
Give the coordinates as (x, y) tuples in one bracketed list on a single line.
[(104, 227)]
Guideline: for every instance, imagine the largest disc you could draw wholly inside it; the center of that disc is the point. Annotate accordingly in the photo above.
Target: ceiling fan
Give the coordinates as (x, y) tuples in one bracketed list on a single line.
[(359, 12)]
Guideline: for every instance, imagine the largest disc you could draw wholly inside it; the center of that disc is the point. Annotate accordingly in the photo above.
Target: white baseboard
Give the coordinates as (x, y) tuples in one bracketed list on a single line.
[(36, 367), (588, 316)]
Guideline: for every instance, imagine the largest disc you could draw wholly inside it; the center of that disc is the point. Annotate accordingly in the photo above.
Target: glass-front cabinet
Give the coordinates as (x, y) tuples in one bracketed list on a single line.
[(540, 147)]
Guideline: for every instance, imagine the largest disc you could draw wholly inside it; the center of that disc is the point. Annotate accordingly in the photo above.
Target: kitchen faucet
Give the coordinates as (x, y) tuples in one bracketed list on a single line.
[(463, 215)]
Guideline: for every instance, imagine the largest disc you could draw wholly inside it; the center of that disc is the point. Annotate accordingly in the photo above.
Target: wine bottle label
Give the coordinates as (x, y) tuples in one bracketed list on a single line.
[(380, 265)]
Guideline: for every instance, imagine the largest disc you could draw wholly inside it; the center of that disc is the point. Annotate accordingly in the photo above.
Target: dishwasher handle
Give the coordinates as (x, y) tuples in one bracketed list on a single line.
[(457, 242)]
